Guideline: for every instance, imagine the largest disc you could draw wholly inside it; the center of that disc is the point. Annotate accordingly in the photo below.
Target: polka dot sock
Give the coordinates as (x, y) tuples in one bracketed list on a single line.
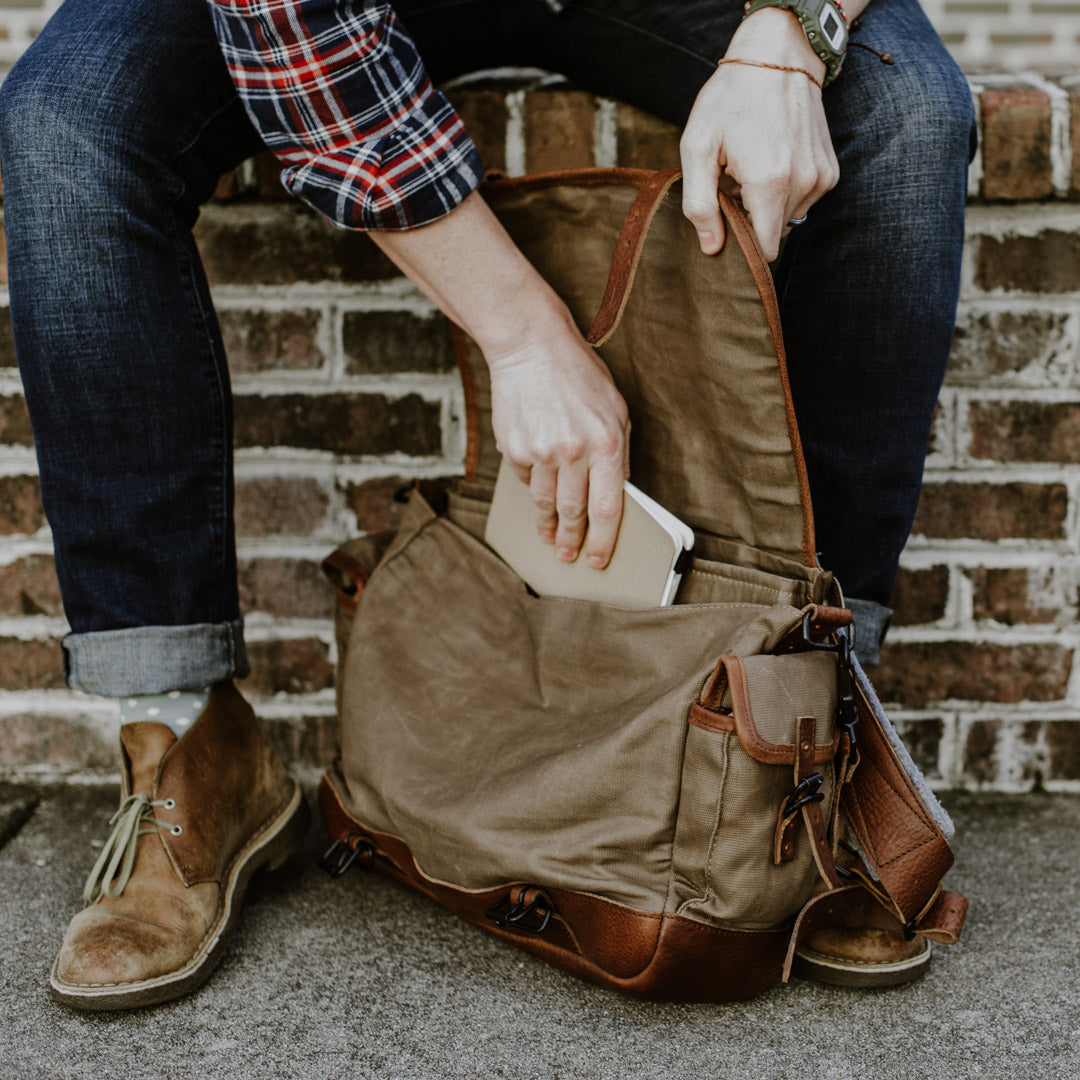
[(177, 709)]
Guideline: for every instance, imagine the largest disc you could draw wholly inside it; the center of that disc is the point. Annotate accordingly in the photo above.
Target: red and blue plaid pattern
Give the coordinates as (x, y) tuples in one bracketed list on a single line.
[(338, 91)]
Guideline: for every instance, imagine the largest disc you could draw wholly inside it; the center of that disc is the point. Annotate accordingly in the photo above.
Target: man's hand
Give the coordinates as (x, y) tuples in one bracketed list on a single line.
[(766, 129), (556, 412), (563, 426)]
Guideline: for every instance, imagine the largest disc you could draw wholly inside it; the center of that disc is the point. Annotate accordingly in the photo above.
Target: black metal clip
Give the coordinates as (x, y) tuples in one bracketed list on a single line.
[(847, 716), (345, 851), (806, 791), (515, 912)]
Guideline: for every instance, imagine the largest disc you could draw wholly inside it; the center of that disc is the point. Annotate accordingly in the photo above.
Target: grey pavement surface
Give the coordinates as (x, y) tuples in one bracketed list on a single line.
[(358, 978)]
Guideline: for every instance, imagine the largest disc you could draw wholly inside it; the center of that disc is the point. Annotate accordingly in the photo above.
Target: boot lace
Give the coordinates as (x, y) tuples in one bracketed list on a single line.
[(112, 871)]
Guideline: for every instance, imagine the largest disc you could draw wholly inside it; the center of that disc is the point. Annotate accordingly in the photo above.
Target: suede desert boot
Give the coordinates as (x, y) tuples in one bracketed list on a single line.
[(199, 815)]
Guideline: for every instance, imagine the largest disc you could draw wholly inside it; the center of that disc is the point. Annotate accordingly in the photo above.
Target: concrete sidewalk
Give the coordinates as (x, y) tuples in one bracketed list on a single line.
[(358, 978)]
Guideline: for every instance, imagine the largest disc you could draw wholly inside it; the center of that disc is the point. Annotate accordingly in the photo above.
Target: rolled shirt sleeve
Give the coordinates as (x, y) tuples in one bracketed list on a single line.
[(339, 93)]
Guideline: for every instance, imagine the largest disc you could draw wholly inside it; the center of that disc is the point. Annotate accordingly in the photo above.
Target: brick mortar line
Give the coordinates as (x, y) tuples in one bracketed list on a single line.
[(998, 220), (980, 469), (989, 634), (396, 386), (1005, 302), (928, 556), (605, 133), (389, 294), (1061, 394)]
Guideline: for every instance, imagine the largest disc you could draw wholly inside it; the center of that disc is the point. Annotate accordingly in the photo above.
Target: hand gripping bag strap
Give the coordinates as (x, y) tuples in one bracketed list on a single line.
[(692, 341)]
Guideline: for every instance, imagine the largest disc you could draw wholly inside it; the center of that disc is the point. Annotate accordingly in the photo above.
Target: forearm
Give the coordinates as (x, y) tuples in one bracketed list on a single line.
[(472, 271)]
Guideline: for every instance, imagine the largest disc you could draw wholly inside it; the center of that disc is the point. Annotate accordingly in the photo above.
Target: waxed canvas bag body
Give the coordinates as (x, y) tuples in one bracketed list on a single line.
[(652, 799)]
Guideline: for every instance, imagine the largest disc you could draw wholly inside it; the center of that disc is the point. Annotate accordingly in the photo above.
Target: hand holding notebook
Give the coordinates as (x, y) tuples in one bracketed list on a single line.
[(645, 567)]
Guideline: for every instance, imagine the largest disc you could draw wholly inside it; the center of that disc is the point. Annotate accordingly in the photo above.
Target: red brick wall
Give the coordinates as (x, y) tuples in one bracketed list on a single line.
[(345, 382)]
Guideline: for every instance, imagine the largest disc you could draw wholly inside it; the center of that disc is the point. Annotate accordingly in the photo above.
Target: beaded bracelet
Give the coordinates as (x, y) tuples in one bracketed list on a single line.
[(772, 67)]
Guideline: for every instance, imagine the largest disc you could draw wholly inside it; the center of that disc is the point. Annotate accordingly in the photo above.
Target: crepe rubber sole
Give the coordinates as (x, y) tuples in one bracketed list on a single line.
[(822, 968)]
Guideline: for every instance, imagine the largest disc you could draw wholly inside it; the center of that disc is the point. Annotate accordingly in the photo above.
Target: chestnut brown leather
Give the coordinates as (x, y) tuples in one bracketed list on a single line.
[(900, 840), (235, 810), (647, 954)]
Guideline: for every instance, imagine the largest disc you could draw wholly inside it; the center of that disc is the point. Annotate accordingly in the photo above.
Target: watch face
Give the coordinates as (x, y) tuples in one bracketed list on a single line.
[(832, 28)]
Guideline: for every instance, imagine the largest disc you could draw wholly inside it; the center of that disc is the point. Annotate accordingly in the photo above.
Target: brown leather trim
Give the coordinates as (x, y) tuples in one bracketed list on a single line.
[(729, 677), (650, 955), (348, 576), (472, 410), (702, 717), (900, 840), (624, 262), (824, 620), (739, 227)]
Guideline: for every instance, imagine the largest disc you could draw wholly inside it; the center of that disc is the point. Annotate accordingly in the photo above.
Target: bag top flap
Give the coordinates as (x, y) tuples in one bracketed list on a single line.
[(693, 342)]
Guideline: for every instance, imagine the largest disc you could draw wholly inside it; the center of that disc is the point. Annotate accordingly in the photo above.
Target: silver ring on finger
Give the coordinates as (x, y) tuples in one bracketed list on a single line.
[(793, 221)]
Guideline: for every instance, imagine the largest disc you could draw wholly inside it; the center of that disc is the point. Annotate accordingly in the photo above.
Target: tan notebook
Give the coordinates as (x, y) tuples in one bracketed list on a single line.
[(645, 568)]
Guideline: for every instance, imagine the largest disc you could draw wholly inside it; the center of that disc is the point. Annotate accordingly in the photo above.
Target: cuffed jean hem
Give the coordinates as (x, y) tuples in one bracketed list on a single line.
[(871, 624), (154, 659)]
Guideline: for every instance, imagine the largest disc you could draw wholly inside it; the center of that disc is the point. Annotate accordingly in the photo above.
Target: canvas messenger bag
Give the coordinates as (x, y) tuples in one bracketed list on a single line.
[(665, 801)]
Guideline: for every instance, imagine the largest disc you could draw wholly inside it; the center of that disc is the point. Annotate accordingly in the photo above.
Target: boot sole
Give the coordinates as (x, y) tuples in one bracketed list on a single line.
[(268, 849), (818, 967)]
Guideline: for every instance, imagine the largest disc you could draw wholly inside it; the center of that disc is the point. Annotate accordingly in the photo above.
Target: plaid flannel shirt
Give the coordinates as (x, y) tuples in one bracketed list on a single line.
[(338, 92)]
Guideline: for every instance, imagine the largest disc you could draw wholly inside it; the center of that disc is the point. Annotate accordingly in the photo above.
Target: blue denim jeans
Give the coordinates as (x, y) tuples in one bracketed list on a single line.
[(114, 128)]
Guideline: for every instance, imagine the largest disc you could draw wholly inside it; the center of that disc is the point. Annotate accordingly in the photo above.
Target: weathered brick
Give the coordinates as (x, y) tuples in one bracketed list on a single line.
[(268, 177), (15, 421), (559, 130), (272, 244), (920, 596), (1012, 595), (1063, 749), (258, 177), (1025, 431), (281, 506), (30, 665), (396, 341), (1048, 262), (951, 510), (484, 111), (373, 503), (285, 588), (980, 751), (7, 345), (923, 739), (1023, 348), (20, 505), (258, 340), (29, 587), (303, 741), (1016, 144), (340, 423), (295, 666), (66, 743), (921, 673), (644, 141)]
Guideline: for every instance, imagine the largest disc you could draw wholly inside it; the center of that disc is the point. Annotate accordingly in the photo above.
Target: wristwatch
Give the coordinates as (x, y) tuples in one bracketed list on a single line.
[(824, 24)]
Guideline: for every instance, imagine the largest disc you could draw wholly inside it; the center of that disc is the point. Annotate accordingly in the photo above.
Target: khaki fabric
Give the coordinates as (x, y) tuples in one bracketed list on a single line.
[(693, 355), (506, 737)]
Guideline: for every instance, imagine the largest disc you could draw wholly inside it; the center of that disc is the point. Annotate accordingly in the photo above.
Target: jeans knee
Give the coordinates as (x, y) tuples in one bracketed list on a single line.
[(49, 131)]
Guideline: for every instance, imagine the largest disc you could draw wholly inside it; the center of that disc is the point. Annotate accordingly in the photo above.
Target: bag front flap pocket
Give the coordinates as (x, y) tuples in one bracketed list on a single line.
[(760, 699)]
